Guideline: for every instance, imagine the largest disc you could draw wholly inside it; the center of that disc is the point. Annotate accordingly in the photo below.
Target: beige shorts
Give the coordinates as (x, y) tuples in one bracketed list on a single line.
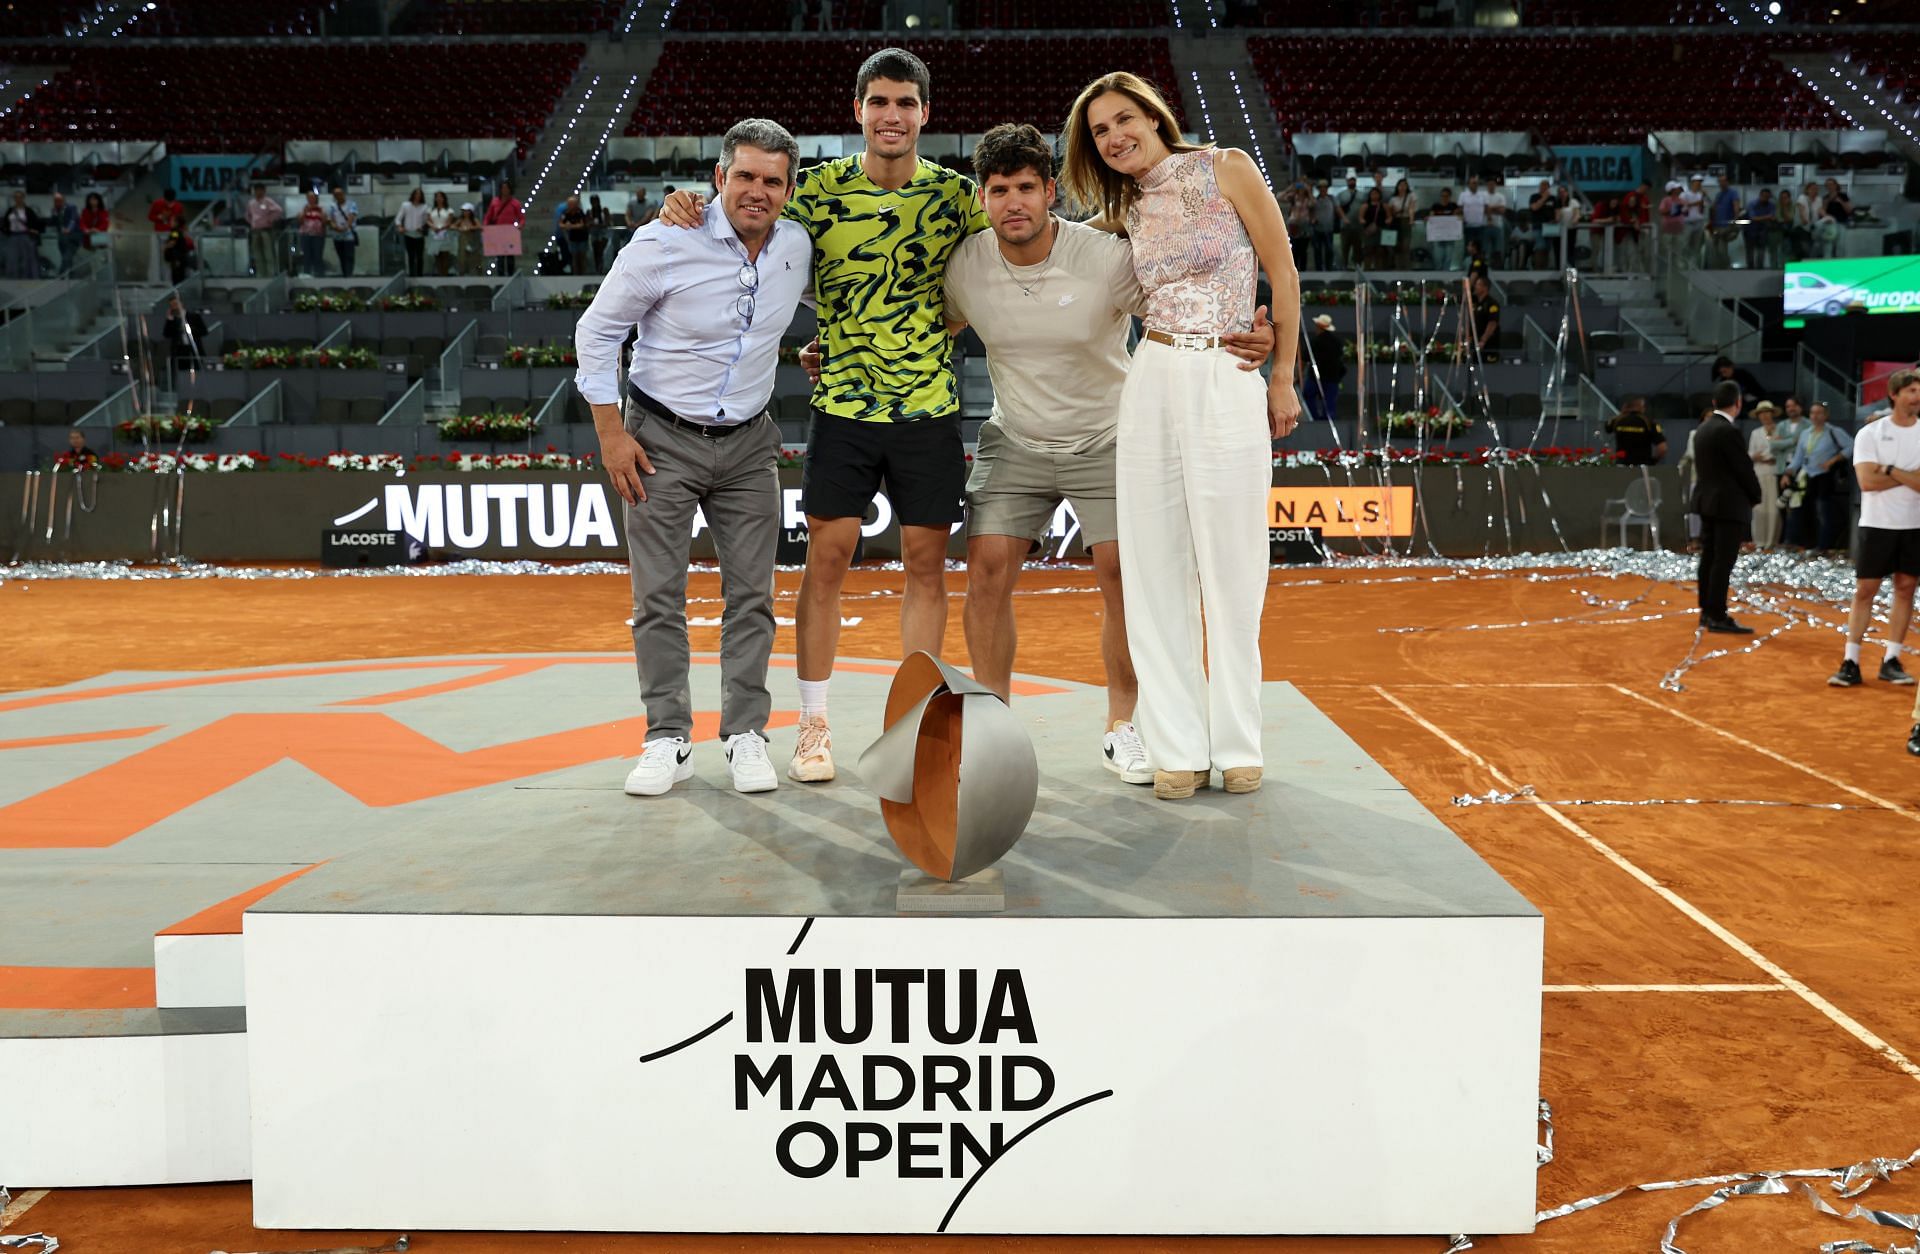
[(1014, 490)]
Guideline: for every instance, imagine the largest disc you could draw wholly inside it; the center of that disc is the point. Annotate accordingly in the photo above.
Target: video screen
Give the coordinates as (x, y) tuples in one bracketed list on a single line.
[(1843, 285)]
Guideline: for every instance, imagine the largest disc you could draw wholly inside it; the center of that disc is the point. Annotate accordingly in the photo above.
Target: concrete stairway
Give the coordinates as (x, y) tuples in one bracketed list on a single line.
[(1225, 102), (594, 108), (1639, 301)]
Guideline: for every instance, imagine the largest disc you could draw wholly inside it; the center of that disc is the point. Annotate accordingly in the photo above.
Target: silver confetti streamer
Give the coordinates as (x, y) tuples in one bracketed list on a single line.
[(32, 1240), (1526, 795)]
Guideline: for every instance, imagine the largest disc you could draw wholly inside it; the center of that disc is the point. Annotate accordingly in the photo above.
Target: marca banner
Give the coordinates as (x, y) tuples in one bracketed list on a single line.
[(1603, 168), (1349, 511), (202, 177), (1842, 285)]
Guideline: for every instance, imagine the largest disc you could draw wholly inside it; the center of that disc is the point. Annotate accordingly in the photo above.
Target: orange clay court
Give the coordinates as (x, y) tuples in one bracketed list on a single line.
[(1729, 987)]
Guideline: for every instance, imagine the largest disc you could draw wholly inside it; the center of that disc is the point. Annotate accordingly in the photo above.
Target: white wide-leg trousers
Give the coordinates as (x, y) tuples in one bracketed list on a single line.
[(1195, 467)]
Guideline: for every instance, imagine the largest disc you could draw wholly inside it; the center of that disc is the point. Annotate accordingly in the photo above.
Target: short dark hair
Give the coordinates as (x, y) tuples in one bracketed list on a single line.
[(1901, 380), (1726, 394), (1010, 148), (893, 63)]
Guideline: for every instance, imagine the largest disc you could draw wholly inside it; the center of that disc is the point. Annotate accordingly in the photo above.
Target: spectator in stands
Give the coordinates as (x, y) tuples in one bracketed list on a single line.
[(1568, 211), (1839, 207), (1760, 446), (78, 452), (185, 333), (1296, 204), (1673, 218), (468, 228), (1326, 221), (166, 213), (640, 210), (441, 240), (1631, 213), (1352, 231), (343, 216), (1373, 220), (64, 221), (1473, 212), (1446, 252), (504, 210), (95, 222), (1693, 222), (1811, 209), (1402, 209), (1723, 223), (599, 227), (559, 234), (263, 214), (180, 254), (1761, 230), (1497, 223), (1724, 371), (1543, 215), (1796, 235), (312, 234), (21, 229), (1638, 439), (1326, 370), (1486, 320), (1815, 469), (574, 230), (410, 220)]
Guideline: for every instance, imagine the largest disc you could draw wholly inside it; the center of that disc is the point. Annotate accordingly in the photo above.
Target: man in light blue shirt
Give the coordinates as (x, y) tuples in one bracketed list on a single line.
[(1813, 469), (343, 216), (708, 307)]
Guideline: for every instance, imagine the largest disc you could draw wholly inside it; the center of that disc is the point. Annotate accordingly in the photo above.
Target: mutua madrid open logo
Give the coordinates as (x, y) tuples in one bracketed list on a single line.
[(919, 1101)]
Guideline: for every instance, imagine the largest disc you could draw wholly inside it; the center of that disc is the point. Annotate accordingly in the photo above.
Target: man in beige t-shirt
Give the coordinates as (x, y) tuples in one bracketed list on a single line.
[(1053, 301)]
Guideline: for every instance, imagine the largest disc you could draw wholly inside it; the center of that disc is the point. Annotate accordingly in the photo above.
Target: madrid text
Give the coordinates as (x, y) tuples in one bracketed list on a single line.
[(910, 1009)]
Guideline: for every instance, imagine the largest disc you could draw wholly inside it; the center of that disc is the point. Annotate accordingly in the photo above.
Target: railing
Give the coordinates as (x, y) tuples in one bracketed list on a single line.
[(1730, 330), (57, 318), (266, 409), (458, 353), (1633, 339), (1818, 381), (340, 337), (269, 297), (513, 289), (115, 409), (1594, 408), (410, 410), (552, 412)]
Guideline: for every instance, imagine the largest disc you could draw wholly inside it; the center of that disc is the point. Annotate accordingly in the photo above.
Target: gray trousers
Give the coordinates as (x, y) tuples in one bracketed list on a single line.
[(734, 481)]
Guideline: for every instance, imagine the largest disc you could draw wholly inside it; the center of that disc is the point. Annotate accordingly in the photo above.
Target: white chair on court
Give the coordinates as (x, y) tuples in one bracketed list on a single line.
[(1640, 507)]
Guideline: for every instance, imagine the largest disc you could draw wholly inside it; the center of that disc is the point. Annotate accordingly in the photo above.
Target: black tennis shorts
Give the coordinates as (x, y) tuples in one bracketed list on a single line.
[(1888, 551), (922, 464)]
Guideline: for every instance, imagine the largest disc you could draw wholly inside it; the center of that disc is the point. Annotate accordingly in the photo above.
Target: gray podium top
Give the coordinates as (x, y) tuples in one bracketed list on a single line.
[(1331, 835)]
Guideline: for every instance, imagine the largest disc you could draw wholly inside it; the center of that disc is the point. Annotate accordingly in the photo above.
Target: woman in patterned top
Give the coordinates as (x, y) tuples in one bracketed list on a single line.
[(1194, 454)]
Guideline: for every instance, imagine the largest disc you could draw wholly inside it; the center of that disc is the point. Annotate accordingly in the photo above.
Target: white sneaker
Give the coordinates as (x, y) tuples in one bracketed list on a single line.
[(752, 769), (1125, 756), (812, 753), (663, 763)]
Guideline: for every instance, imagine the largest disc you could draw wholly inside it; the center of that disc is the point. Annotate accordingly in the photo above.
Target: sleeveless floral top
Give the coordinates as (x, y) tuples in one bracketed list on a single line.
[(1190, 251)]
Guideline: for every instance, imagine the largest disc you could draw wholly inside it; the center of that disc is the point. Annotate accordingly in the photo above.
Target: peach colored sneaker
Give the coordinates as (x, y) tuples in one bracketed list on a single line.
[(1177, 785), (812, 753), (1241, 778)]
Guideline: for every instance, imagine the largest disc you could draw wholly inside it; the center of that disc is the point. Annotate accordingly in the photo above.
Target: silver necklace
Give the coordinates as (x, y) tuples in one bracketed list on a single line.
[(1025, 290)]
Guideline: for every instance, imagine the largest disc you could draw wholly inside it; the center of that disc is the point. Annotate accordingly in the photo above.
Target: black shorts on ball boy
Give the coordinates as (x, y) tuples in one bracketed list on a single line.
[(922, 464), (1888, 551)]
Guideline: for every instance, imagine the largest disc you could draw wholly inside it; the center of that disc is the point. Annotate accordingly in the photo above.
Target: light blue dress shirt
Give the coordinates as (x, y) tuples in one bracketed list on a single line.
[(1813, 451), (698, 353)]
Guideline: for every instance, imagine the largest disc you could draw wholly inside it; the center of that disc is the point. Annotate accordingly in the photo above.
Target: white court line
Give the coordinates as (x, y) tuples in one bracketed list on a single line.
[(21, 1205), (1762, 750), (1335, 683), (1852, 1026), (1663, 988)]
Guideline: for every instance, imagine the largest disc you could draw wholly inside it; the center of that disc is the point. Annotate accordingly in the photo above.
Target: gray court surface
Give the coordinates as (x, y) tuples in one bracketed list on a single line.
[(1331, 835)]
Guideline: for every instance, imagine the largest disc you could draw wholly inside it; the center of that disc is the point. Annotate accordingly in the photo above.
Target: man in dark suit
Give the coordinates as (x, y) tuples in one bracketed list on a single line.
[(1724, 494)]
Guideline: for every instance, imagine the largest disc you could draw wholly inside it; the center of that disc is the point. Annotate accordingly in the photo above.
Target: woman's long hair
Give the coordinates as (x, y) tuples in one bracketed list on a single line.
[(1088, 179)]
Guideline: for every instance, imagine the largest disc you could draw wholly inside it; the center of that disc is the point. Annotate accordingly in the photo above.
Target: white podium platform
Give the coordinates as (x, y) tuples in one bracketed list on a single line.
[(572, 1009)]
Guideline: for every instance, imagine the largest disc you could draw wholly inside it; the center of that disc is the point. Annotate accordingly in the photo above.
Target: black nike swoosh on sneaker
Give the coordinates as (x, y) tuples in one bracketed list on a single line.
[(682, 756), (1109, 753)]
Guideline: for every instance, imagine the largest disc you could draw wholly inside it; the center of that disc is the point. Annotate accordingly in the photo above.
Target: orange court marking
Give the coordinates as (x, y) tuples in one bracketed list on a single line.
[(80, 738), (223, 918), (76, 988)]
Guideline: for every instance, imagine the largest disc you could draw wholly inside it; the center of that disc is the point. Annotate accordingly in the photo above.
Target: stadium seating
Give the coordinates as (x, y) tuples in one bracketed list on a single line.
[(511, 17), (1567, 88), (723, 15), (807, 86), (990, 15), (229, 18), (184, 95)]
